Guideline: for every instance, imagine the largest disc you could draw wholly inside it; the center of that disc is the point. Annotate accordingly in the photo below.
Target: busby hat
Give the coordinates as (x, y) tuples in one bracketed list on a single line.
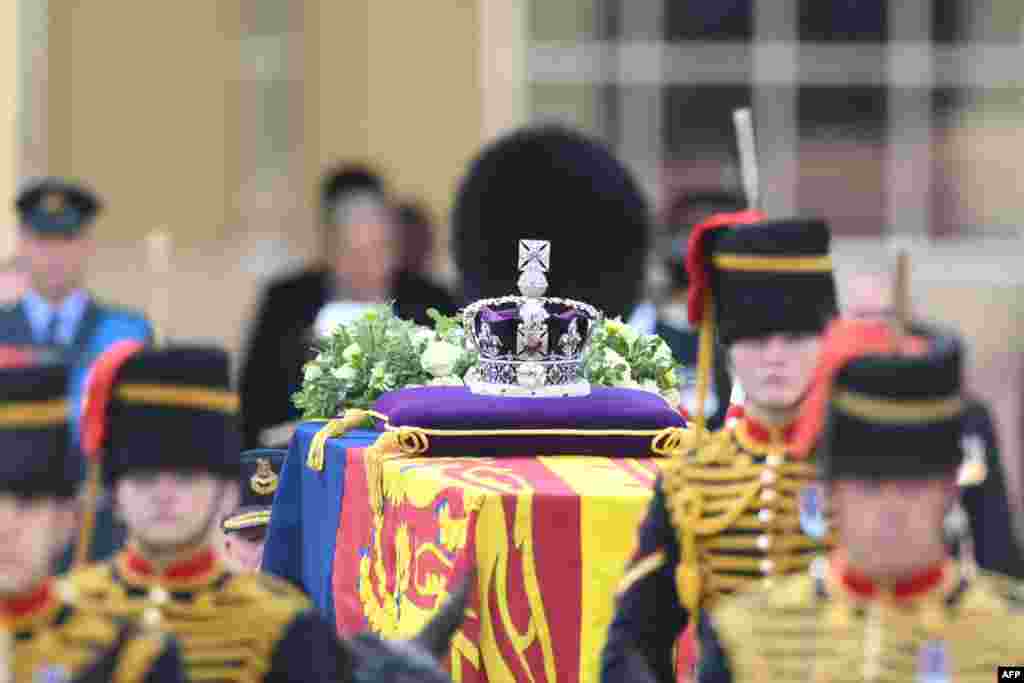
[(884, 406), (55, 207), (166, 409), (34, 431), (555, 184), (765, 277), (261, 471)]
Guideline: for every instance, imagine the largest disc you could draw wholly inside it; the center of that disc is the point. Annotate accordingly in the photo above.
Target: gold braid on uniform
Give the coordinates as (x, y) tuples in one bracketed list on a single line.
[(734, 505), (66, 638), (228, 630), (806, 629)]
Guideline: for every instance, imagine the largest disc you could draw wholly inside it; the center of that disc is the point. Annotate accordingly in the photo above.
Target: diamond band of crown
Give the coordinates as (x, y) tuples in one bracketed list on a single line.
[(530, 345)]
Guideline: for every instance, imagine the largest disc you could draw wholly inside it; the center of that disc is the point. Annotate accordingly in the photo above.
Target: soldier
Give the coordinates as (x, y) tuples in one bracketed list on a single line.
[(245, 529), (869, 296), (57, 313), (889, 604), (165, 423), (725, 513), (48, 635)]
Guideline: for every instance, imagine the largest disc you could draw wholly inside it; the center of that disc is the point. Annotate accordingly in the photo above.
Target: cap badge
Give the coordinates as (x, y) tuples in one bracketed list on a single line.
[(264, 482)]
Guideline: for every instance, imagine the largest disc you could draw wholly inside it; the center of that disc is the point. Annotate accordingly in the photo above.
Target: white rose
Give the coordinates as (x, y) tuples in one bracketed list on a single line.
[(312, 372), (673, 398), (439, 358), (422, 336), (351, 352), (613, 360), (448, 381), (346, 373)]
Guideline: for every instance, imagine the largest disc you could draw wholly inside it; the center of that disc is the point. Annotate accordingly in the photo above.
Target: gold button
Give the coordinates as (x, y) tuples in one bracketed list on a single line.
[(764, 542), (774, 460), (158, 595), (767, 496), (766, 516), (152, 617), (768, 477), (767, 566)]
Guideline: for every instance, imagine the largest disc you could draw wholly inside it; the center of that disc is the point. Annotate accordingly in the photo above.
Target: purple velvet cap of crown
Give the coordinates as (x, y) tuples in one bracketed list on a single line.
[(504, 319), (605, 408)]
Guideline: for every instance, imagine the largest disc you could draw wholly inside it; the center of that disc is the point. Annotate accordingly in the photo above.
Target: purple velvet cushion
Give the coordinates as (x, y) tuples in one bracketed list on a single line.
[(445, 408)]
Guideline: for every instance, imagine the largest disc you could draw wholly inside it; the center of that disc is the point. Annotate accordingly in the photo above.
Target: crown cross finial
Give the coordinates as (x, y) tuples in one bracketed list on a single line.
[(534, 261)]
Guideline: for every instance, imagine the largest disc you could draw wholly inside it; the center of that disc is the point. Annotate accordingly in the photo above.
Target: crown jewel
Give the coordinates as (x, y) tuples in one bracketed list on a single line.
[(530, 345)]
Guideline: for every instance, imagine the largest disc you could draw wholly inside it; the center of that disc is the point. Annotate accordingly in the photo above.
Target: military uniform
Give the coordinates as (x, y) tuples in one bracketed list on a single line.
[(734, 510), (261, 472), (888, 417), (77, 330), (48, 632), (172, 410)]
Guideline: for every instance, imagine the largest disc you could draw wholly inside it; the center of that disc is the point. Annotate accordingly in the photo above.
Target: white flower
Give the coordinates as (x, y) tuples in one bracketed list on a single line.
[(440, 358), (627, 383), (447, 381), (422, 335), (351, 352), (613, 360), (312, 372), (672, 397), (346, 373)]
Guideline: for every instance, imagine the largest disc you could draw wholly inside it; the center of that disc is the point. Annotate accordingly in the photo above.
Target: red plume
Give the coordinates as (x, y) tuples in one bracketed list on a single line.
[(696, 259), (843, 342), (99, 386)]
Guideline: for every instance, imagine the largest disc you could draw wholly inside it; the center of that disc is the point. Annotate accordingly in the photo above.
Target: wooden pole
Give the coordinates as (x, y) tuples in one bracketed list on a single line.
[(158, 249)]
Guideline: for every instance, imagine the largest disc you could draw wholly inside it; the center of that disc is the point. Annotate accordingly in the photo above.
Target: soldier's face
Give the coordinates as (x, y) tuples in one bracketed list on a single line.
[(32, 532), (244, 547), (890, 530), (775, 371), (168, 509), (55, 265)]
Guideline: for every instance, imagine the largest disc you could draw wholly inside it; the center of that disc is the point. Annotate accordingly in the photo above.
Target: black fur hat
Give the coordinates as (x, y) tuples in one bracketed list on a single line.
[(552, 183)]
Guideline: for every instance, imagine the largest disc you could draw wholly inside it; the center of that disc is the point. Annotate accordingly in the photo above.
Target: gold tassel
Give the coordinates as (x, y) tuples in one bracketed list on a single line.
[(334, 428), (92, 497)]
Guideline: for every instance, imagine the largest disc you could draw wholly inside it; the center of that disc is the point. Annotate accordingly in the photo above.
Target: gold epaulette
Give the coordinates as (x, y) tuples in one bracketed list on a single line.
[(793, 632), (267, 591)]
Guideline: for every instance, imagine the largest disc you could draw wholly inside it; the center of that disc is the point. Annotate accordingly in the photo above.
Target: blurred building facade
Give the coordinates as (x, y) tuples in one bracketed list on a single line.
[(210, 123)]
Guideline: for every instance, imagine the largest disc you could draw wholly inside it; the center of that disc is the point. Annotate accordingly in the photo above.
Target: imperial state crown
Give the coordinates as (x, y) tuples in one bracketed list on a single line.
[(530, 345)]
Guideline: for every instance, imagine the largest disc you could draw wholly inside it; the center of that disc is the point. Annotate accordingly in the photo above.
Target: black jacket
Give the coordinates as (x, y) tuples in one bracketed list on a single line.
[(280, 340)]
